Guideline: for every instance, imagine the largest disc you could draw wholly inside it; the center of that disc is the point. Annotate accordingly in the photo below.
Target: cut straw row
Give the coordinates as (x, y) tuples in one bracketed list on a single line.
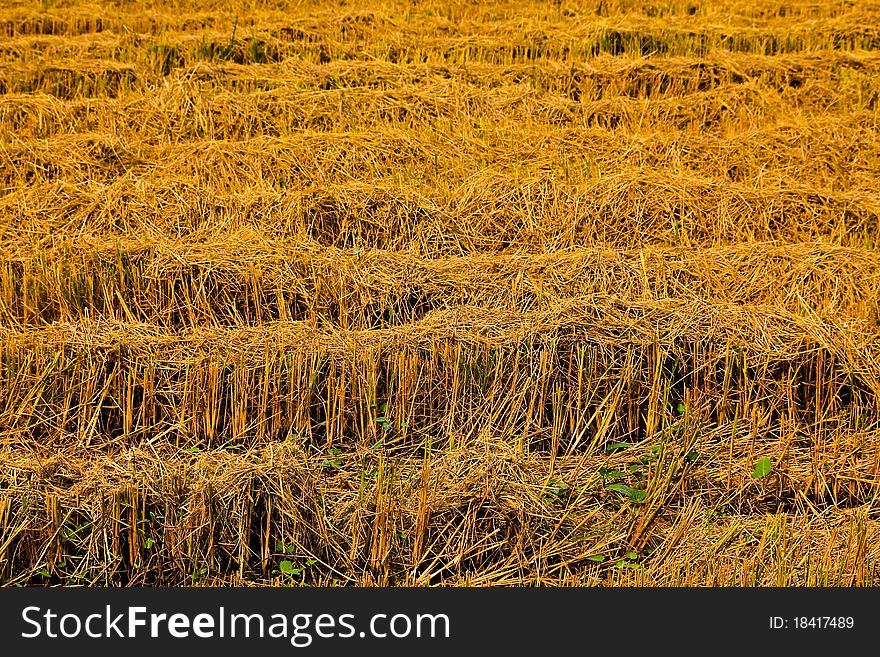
[(487, 517), (570, 379), (488, 212), (843, 156), (245, 280), (794, 76)]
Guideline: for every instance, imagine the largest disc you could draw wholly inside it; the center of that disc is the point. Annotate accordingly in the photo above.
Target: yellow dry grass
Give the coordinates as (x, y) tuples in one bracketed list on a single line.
[(440, 293)]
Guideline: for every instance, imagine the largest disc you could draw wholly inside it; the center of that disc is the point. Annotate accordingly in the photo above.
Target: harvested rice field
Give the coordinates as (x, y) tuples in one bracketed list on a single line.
[(440, 293)]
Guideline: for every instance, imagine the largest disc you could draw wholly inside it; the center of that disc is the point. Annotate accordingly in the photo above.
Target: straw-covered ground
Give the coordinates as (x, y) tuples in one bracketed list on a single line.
[(440, 293)]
